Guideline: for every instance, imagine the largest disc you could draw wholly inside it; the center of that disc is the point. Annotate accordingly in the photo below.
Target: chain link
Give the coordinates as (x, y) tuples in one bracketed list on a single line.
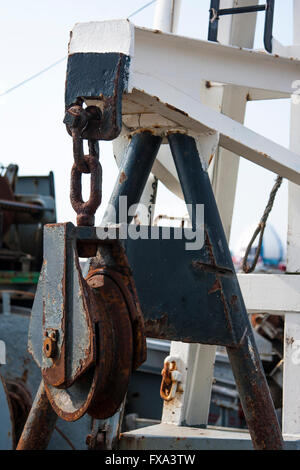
[(84, 122)]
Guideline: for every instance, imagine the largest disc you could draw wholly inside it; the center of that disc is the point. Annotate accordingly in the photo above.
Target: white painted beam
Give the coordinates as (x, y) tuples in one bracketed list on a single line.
[(186, 61), (203, 120), (272, 293), (191, 60), (164, 78)]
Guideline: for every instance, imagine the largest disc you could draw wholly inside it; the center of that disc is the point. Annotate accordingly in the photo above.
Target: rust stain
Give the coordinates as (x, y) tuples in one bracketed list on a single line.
[(210, 268), (173, 108), (289, 340), (24, 375), (157, 327), (216, 287), (123, 177)]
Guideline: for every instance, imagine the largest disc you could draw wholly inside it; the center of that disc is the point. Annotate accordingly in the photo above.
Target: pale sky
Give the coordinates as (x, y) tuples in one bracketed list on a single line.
[(35, 33)]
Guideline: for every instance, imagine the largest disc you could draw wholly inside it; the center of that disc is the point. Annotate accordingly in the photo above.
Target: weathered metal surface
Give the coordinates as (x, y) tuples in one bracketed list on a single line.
[(121, 276), (64, 295), (100, 76), (255, 395), (85, 210), (40, 423), (20, 207), (21, 367), (247, 368), (85, 121), (6, 194), (7, 434), (28, 203), (101, 389), (20, 399), (116, 351), (186, 314), (86, 335), (133, 174), (171, 437)]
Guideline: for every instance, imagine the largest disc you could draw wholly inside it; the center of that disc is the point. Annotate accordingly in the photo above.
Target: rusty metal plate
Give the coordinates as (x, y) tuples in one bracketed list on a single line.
[(102, 77), (185, 295), (61, 294)]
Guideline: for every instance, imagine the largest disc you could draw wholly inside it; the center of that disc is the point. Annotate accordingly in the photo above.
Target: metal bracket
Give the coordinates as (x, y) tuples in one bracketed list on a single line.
[(215, 12), (102, 77)]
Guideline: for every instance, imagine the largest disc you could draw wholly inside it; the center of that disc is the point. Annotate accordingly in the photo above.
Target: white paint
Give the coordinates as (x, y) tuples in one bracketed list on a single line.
[(166, 19), (103, 36), (225, 163), (210, 61), (159, 70), (166, 15), (272, 293), (291, 374), (207, 146), (191, 402), (236, 30), (163, 16), (291, 371), (291, 52), (201, 119)]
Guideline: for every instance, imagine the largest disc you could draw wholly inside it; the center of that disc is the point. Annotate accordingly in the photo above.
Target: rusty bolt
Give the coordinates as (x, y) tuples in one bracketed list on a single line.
[(50, 344)]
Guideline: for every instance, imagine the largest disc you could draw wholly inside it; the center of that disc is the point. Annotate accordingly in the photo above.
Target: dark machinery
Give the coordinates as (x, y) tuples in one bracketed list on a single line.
[(26, 204)]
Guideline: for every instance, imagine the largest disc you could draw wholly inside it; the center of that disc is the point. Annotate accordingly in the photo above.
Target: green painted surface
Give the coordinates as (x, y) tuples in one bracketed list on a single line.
[(17, 277)]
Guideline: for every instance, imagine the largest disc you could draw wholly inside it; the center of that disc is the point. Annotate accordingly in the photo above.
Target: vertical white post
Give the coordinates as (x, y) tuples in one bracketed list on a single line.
[(241, 33), (166, 15), (191, 406), (291, 373), (165, 19)]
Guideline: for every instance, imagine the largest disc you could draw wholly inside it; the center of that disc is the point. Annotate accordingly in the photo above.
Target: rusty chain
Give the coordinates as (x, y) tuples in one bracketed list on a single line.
[(83, 124)]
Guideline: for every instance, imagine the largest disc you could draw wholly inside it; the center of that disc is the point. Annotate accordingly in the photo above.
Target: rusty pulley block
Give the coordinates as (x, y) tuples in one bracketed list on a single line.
[(92, 328), (86, 333)]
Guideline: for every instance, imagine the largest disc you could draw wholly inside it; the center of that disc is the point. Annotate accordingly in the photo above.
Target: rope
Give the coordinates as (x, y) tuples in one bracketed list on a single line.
[(63, 58), (65, 437), (260, 229)]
